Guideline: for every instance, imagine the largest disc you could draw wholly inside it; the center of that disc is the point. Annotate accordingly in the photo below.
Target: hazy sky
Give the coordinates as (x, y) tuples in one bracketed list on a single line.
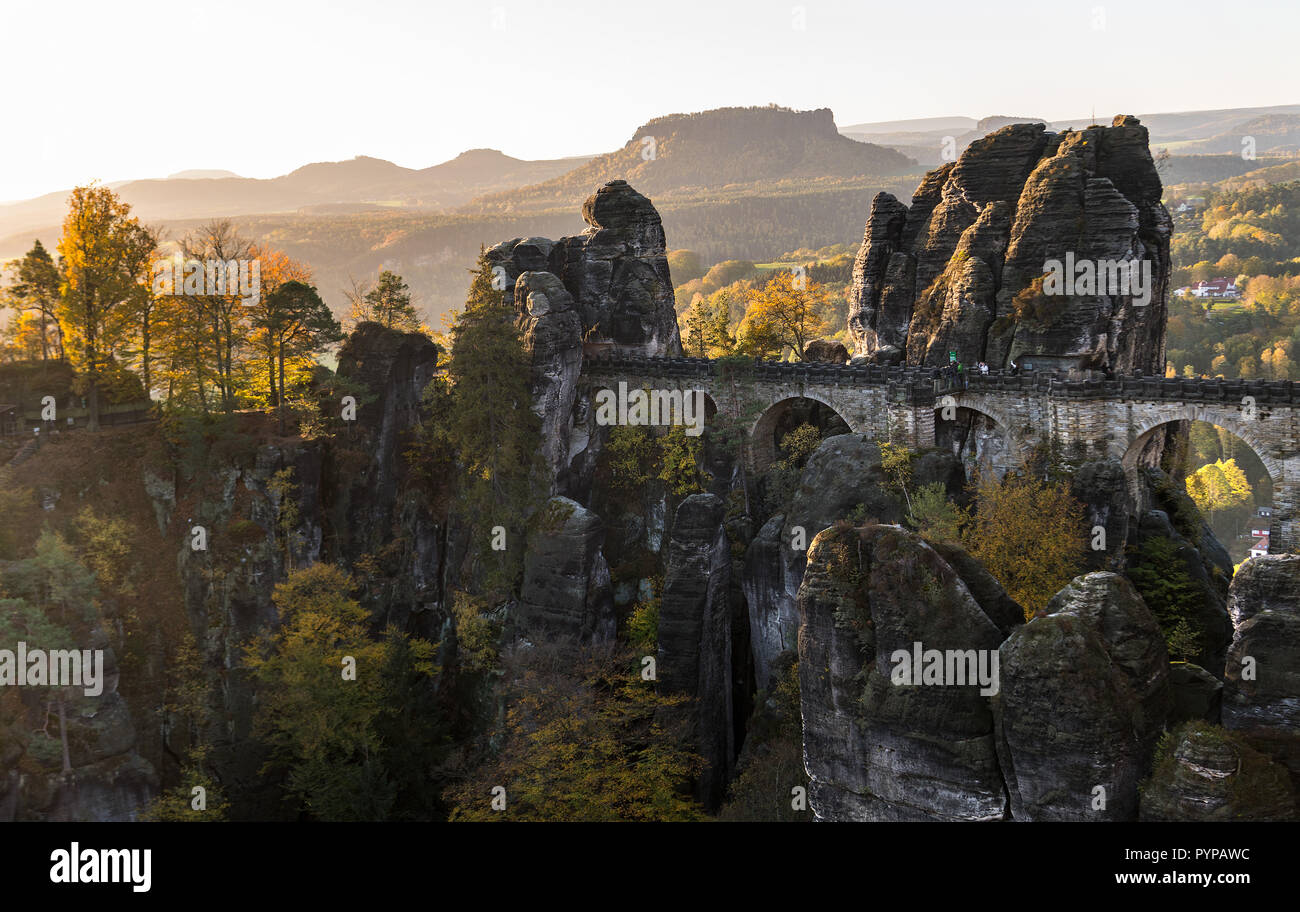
[(130, 89)]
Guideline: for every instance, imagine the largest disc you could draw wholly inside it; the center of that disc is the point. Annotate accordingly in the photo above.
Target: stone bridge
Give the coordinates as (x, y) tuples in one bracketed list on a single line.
[(1009, 415)]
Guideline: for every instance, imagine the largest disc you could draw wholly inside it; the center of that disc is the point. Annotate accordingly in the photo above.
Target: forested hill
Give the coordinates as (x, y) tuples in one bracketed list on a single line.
[(732, 148)]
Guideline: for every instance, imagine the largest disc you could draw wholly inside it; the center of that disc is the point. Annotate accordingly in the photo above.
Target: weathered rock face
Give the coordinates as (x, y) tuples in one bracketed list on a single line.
[(1206, 610), (553, 336), (945, 273), (395, 367), (826, 351), (874, 749), (609, 287), (616, 271), (566, 592), (1263, 703), (695, 634), (1103, 490), (1212, 775), (843, 476), (773, 617), (1085, 694), (108, 780), (1196, 693)]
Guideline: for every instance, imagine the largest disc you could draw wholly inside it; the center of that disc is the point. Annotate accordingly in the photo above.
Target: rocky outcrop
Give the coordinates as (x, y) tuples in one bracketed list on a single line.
[(1208, 774), (961, 268), (1102, 488), (773, 617), (826, 351), (106, 778), (1085, 694), (608, 290), (616, 271), (878, 747), (566, 593), (394, 368), (1196, 693), (1160, 548), (695, 635), (553, 337), (842, 479), (1261, 687)]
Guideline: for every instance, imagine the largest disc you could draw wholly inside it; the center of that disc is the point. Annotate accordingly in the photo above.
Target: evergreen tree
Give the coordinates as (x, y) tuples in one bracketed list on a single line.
[(35, 294), (292, 321), (485, 421), (388, 303)]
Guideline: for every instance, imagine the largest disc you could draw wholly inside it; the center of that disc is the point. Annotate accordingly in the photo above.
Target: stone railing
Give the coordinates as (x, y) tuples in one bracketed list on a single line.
[(1264, 392)]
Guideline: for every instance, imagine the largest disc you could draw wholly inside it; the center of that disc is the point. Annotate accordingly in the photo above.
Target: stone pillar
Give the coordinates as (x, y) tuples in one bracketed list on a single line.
[(1284, 529)]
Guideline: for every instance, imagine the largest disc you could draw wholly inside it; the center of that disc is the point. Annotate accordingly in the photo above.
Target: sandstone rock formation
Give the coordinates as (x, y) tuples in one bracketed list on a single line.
[(842, 477), (956, 270), (876, 750), (566, 593), (1085, 694), (1196, 694), (1209, 774), (108, 780), (553, 337), (1261, 688), (616, 272), (608, 291), (695, 634), (827, 351)]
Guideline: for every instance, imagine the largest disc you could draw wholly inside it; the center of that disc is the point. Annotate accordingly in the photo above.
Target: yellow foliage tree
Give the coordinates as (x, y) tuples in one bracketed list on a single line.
[(1029, 534), (786, 313)]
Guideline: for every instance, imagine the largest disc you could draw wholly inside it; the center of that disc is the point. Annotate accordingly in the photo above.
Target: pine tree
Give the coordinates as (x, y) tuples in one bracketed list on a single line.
[(388, 303), (35, 295), (489, 425)]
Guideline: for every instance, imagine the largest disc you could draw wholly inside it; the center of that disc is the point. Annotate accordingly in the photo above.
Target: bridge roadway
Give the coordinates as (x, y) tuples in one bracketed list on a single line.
[(1095, 418)]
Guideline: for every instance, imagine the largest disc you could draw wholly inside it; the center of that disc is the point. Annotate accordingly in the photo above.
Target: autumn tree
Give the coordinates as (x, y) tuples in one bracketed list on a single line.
[(326, 690), (186, 355), (587, 740), (186, 708), (1220, 487), (277, 269), (106, 255), (1028, 532), (223, 311), (785, 314)]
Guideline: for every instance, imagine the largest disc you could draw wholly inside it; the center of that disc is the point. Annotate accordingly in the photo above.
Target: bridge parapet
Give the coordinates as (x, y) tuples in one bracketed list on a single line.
[(1264, 392)]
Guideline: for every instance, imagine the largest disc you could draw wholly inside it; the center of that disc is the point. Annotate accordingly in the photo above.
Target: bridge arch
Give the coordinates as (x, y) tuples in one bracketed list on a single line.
[(767, 429), (1280, 524), (1228, 419), (987, 432)]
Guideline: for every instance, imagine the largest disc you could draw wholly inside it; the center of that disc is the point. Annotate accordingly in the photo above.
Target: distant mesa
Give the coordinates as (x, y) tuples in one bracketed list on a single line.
[(724, 148)]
